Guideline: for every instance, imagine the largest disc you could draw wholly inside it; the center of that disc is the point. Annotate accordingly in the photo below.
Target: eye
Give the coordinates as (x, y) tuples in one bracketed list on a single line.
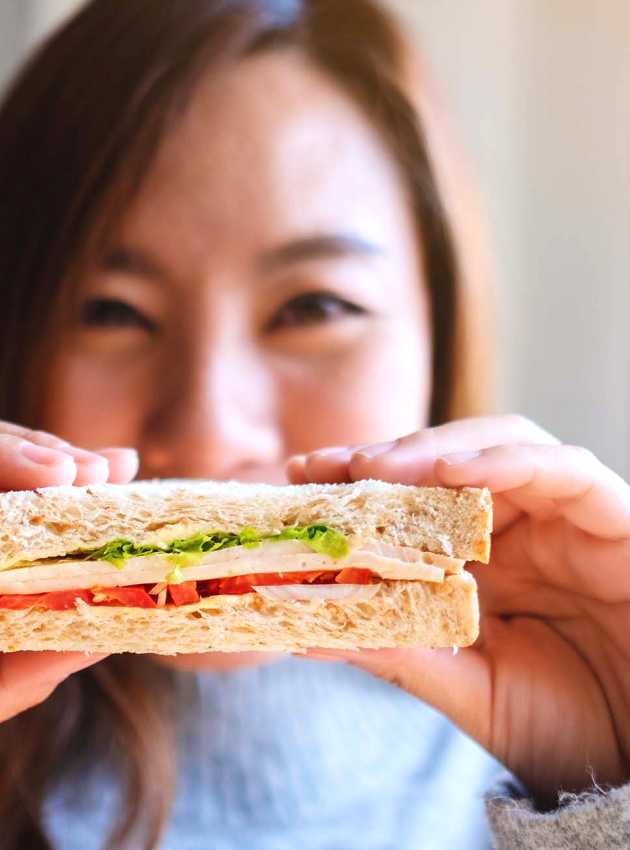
[(114, 313), (313, 308)]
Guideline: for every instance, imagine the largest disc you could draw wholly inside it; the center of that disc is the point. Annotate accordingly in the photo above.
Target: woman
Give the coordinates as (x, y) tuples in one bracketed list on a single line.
[(223, 243)]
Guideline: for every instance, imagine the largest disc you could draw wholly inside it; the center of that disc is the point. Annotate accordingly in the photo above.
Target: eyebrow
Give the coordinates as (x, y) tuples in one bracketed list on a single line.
[(320, 247), (125, 260), (122, 259)]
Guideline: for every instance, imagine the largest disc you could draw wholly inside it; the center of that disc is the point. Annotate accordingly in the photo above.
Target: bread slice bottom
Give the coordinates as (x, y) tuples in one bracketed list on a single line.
[(402, 613)]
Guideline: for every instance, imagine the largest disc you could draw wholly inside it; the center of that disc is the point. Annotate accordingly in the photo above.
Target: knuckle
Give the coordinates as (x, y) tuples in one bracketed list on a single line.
[(358, 462), (10, 442), (16, 434), (43, 438), (427, 440), (12, 429), (527, 430), (313, 460)]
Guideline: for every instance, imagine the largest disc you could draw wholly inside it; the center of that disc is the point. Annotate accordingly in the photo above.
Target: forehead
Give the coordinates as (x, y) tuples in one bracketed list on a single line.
[(272, 144)]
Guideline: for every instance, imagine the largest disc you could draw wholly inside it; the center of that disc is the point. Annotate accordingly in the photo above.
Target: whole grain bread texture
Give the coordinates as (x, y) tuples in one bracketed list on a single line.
[(55, 521), (402, 613)]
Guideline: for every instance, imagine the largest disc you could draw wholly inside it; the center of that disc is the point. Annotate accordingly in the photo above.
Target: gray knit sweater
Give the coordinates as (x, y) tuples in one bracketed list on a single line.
[(587, 822), (316, 756)]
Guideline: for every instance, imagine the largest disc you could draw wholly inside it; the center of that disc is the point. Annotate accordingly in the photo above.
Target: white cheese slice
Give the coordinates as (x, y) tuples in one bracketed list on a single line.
[(401, 563)]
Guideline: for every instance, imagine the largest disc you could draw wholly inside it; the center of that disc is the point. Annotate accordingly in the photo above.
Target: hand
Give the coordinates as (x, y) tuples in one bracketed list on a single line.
[(30, 459), (546, 688)]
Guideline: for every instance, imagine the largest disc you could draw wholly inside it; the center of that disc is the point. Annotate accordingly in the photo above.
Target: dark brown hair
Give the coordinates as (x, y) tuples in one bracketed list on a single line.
[(78, 130)]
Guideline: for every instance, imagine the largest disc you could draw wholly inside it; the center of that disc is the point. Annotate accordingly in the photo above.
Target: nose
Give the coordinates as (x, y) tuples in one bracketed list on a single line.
[(214, 416)]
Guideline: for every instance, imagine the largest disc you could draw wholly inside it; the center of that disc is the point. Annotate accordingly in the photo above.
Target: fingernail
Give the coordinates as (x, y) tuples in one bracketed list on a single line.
[(376, 450), (42, 455), (458, 458), (128, 449), (83, 456)]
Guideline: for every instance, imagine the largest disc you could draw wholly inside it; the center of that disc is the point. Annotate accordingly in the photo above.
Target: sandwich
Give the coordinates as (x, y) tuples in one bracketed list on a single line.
[(195, 566)]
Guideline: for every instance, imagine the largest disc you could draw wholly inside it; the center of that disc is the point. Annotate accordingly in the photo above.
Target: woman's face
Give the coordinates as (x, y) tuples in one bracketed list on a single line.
[(263, 295)]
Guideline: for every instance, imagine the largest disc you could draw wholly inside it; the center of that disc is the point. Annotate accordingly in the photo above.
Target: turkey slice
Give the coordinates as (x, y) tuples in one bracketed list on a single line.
[(387, 562)]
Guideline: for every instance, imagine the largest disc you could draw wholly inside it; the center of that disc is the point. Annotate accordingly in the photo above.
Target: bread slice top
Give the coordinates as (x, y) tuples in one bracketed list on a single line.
[(55, 521)]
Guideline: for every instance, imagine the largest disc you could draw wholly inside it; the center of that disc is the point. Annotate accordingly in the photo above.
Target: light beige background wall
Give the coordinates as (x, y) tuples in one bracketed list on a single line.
[(539, 93), (539, 89)]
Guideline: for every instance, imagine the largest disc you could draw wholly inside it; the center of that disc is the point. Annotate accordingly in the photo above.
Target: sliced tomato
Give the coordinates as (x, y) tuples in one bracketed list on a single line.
[(184, 593), (285, 578), (327, 577), (354, 575), (245, 583), (233, 585), (57, 600), (130, 597), (65, 600), (16, 601)]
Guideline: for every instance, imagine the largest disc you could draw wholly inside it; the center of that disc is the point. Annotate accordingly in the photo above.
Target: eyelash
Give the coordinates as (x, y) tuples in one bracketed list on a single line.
[(307, 310), (313, 308), (114, 313)]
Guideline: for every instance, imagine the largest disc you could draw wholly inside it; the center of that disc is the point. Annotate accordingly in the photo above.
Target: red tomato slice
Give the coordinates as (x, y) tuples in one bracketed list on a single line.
[(17, 602), (184, 593), (57, 600), (64, 600), (327, 577), (130, 597), (354, 575), (245, 583), (281, 578), (236, 584)]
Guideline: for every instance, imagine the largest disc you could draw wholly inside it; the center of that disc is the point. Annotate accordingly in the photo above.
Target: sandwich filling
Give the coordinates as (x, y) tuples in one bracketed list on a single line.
[(298, 562)]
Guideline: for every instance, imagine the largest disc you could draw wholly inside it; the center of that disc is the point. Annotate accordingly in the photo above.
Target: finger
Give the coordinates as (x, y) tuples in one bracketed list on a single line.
[(504, 512), (329, 464), (544, 481), (25, 465), (123, 464), (28, 678), (295, 469), (40, 438), (410, 460), (91, 468)]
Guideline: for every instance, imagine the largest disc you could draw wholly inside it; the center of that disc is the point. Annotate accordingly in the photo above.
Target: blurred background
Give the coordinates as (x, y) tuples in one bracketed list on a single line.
[(538, 93)]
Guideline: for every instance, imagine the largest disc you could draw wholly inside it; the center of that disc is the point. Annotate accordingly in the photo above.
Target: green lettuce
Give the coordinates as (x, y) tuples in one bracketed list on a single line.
[(189, 550)]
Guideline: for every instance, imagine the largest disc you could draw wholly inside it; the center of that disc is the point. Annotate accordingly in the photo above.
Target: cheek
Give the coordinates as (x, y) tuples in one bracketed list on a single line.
[(92, 403), (378, 392)]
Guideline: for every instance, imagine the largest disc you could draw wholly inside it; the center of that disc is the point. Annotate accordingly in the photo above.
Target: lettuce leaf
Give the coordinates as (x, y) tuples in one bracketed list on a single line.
[(187, 551), (320, 538)]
